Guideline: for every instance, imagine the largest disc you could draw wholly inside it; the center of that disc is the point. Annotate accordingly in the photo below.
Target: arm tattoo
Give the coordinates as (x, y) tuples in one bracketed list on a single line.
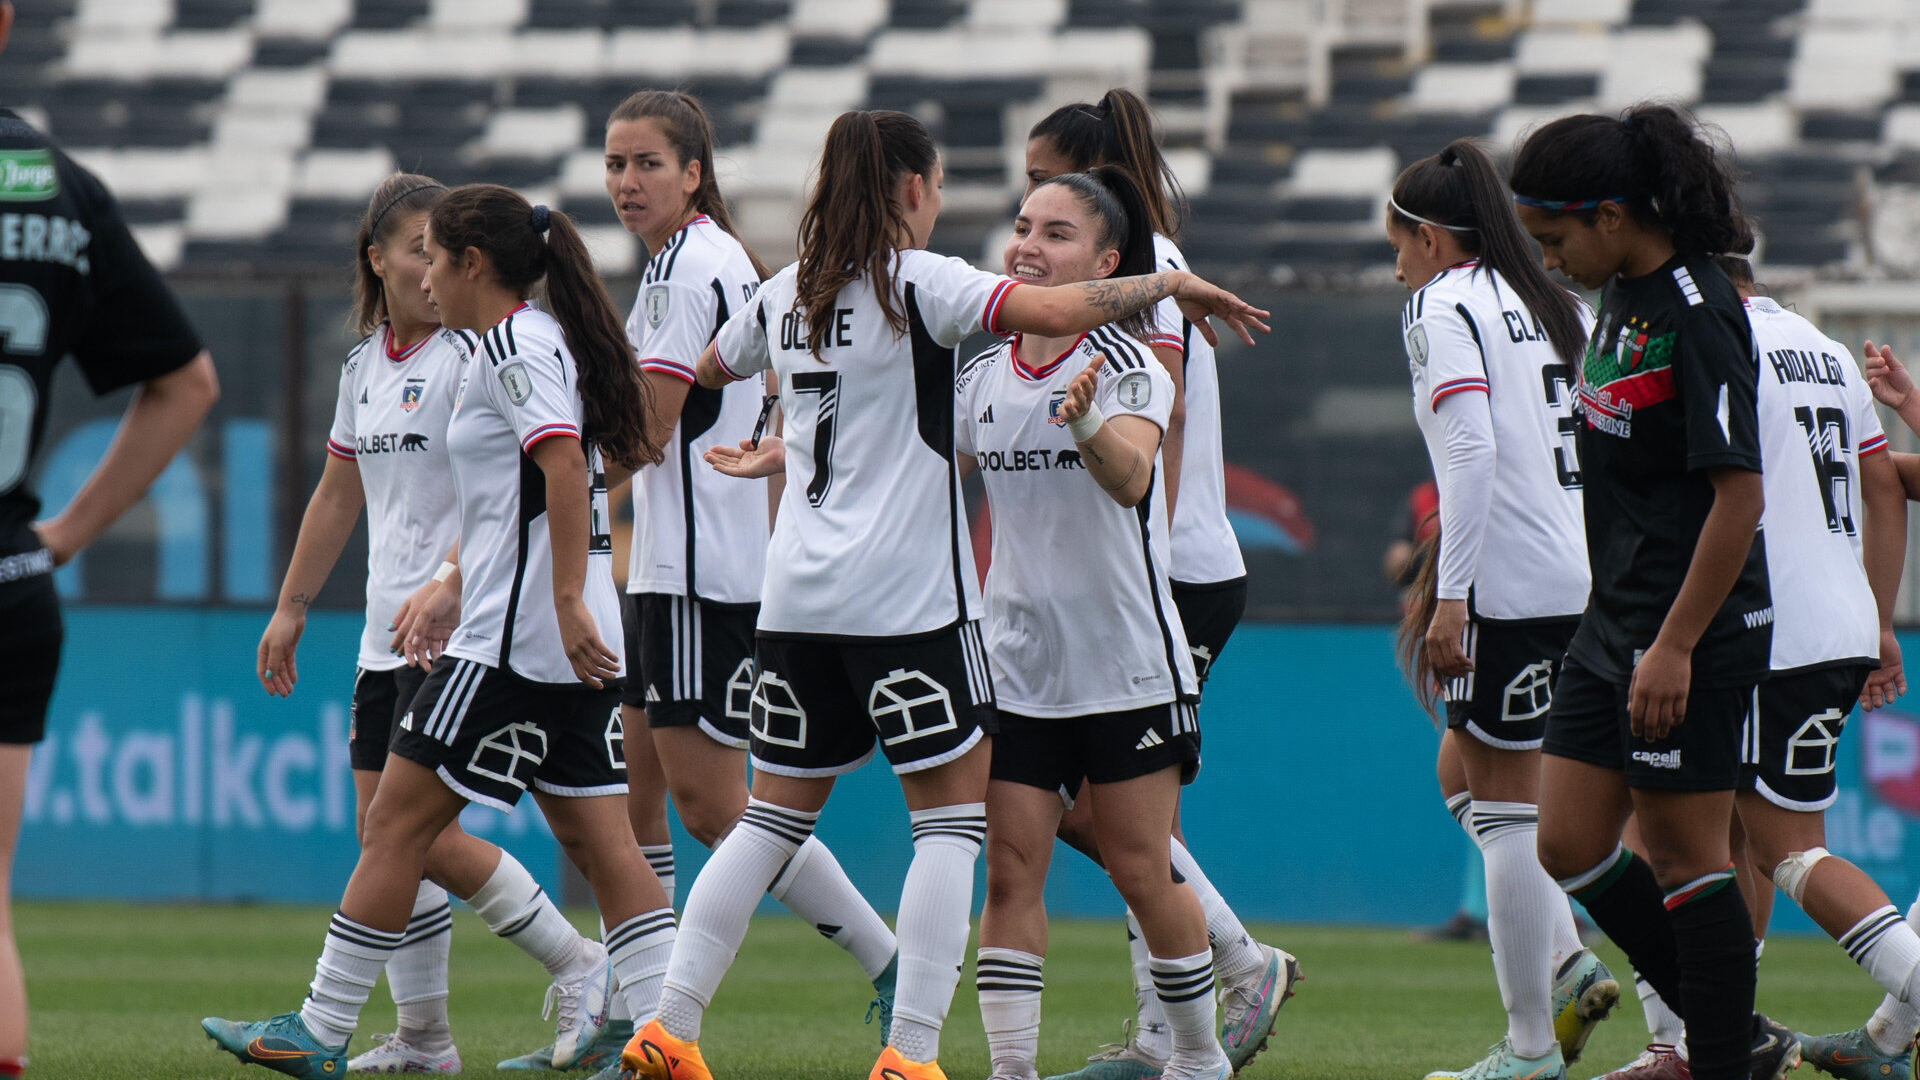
[(1116, 298), (302, 599), (1132, 468)]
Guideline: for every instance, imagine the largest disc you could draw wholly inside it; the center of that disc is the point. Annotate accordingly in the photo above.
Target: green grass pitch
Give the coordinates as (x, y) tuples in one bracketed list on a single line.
[(118, 991)]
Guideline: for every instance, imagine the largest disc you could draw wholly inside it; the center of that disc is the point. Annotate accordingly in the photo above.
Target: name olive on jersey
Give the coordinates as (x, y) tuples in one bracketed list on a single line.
[(871, 478), (390, 419), (1080, 615), (1667, 391), (521, 388)]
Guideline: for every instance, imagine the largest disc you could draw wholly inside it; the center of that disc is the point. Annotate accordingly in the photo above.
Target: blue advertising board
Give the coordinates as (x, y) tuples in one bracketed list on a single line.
[(169, 774)]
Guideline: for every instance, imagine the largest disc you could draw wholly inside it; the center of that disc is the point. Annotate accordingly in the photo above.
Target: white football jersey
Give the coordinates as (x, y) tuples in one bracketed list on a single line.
[(1467, 332), (1816, 422), (871, 539), (521, 387), (391, 421), (1080, 619), (694, 283), (1205, 551)]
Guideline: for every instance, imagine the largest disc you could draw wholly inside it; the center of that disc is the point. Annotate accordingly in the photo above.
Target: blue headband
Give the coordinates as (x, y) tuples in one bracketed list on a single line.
[(1565, 204)]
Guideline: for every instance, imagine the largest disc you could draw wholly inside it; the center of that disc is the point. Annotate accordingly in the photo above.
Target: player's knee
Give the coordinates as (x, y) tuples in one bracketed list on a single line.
[(1792, 871), (707, 818), (1015, 873), (1562, 858)]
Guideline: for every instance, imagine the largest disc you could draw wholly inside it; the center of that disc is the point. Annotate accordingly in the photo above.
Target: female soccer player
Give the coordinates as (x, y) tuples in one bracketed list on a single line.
[(868, 619), (1208, 576), (102, 303), (1080, 540), (699, 546), (388, 451), (1650, 702), (522, 695), (1491, 346)]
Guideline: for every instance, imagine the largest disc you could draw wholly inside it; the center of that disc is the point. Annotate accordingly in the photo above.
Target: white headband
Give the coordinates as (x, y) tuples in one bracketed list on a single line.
[(1410, 215)]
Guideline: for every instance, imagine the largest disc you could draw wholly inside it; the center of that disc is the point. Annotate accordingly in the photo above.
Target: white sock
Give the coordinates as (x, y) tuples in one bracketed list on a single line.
[(814, 887), (934, 907), (515, 907), (638, 950), (1150, 1021), (417, 971), (350, 963), (1888, 949), (660, 857), (1009, 983), (1521, 904), (721, 901), (1185, 986), (1235, 953), (1895, 1023), (1461, 807), (1664, 1026)]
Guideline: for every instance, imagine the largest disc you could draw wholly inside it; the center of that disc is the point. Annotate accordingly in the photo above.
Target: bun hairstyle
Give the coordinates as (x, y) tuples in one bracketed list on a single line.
[(852, 222), (1657, 159), (1110, 194), (397, 199), (1118, 130), (683, 121), (528, 243), (1458, 191)]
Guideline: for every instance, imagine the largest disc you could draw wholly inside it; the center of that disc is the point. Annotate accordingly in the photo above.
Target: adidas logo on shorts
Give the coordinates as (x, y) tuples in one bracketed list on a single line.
[(1667, 760), (1150, 740)]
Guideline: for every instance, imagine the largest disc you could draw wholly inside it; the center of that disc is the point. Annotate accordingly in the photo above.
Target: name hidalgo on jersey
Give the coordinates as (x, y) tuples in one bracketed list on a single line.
[(1805, 366)]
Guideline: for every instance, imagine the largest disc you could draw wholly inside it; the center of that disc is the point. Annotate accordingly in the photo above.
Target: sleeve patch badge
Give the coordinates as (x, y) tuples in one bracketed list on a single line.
[(1417, 345), (517, 383), (656, 303), (1135, 390)]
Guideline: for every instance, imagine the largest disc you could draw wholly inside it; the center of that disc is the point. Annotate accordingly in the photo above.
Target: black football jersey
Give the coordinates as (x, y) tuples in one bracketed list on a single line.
[(72, 283)]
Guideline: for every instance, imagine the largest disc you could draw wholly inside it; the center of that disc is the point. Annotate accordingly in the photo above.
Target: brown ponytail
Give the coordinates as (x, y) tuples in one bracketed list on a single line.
[(398, 197), (1119, 131), (683, 121), (1420, 601), (852, 223), (528, 243)]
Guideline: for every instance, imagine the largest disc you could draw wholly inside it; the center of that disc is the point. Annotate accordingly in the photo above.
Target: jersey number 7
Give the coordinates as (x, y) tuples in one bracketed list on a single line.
[(827, 385)]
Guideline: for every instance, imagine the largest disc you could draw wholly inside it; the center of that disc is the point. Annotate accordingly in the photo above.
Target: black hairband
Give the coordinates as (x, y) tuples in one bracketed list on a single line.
[(539, 218), (373, 228)]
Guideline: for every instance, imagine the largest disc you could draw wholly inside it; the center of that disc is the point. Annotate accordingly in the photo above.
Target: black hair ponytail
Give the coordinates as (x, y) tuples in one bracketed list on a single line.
[(1112, 195), (1668, 168), (1118, 130), (1459, 190)]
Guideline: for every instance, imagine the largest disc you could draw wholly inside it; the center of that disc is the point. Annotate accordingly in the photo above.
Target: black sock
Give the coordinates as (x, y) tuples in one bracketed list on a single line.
[(1627, 904), (1714, 936)]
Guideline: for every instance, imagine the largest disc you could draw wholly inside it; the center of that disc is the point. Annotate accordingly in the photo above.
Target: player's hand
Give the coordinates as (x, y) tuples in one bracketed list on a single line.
[(1887, 376), (1079, 393), (1444, 637), (1199, 298), (1885, 685), (430, 620), (273, 662), (1657, 692), (747, 461), (593, 663), (52, 534), (402, 620)]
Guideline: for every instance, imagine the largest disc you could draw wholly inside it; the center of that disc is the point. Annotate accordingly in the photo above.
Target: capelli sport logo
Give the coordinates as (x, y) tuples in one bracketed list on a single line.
[(1659, 759), (28, 175)]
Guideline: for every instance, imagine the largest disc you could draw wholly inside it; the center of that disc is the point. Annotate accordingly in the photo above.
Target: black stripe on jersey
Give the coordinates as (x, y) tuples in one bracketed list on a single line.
[(507, 325), (491, 340), (933, 379), (673, 254), (533, 503), (1143, 513), (1122, 351), (697, 416), (1186, 324), (660, 266), (472, 343), (1474, 329), (353, 354), (978, 359)]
